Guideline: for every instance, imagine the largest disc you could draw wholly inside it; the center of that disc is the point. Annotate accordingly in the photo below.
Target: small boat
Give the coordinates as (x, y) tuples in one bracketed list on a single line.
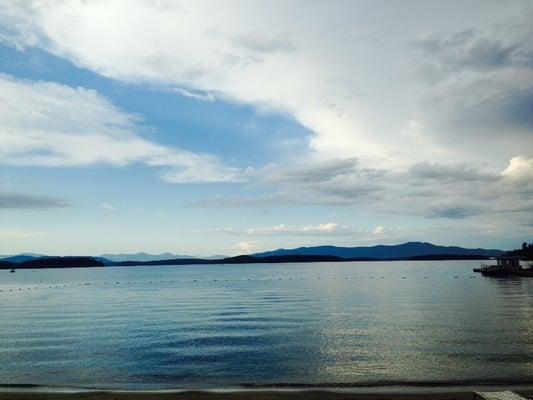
[(11, 270)]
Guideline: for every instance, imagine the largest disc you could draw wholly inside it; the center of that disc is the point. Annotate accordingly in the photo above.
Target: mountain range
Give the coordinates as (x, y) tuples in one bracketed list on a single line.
[(385, 252), (405, 251), (141, 256)]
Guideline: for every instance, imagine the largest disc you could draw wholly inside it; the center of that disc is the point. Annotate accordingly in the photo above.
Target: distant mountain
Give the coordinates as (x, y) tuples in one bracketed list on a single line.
[(418, 250), (22, 257), (243, 259), (215, 257), (53, 262), (405, 251), (142, 257)]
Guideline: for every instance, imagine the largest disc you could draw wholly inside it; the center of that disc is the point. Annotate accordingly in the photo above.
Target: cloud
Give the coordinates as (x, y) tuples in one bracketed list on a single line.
[(52, 125), (519, 167), (448, 173), (282, 229), (246, 247), (26, 201), (471, 191), (317, 70), (340, 72), (257, 41), (481, 93), (469, 50), (20, 234), (311, 171), (394, 113), (107, 207), (195, 95), (453, 212), (378, 230), (327, 228)]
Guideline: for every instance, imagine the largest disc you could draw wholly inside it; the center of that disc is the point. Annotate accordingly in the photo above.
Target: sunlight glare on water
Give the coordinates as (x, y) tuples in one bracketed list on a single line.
[(225, 325)]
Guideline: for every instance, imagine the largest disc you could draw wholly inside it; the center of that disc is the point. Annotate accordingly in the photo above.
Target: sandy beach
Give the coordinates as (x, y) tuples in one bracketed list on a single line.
[(242, 395), (238, 395)]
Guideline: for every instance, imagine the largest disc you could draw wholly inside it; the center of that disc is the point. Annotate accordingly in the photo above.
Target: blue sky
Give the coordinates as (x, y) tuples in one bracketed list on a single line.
[(263, 125)]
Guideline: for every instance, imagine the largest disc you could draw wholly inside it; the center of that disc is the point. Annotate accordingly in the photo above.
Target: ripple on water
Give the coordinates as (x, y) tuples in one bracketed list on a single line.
[(211, 325)]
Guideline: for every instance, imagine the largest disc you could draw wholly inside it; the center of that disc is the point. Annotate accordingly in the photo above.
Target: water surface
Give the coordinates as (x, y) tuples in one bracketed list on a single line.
[(222, 325)]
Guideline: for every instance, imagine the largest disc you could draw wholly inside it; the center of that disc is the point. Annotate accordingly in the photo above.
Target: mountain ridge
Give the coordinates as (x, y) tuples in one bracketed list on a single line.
[(405, 251), (384, 252), (142, 256)]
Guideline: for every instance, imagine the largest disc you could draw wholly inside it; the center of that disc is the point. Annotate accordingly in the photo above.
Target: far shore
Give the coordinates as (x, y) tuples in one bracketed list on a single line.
[(92, 262)]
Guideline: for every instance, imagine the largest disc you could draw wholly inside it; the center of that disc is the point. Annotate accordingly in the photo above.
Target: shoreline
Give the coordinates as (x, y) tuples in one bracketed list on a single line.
[(19, 267), (460, 392)]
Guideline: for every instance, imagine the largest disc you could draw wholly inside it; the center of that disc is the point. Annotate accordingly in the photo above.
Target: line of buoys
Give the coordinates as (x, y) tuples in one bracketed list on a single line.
[(215, 280)]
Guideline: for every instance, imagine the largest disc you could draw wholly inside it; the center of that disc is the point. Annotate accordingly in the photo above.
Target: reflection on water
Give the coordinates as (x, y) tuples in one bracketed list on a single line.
[(352, 323)]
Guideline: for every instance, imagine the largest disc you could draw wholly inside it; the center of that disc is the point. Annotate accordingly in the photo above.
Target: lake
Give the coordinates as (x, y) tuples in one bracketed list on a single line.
[(220, 326)]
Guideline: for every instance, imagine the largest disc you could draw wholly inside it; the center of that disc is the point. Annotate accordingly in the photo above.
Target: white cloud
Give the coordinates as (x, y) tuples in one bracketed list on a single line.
[(378, 230), (246, 247), (195, 95), (108, 207), (48, 124), (519, 167), (387, 133), (340, 71), (327, 228), (282, 229)]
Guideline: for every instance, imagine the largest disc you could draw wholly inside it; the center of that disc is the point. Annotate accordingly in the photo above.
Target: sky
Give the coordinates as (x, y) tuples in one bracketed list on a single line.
[(232, 127)]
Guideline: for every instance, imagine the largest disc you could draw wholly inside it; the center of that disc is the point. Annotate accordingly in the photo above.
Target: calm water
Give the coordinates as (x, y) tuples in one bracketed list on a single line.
[(219, 326)]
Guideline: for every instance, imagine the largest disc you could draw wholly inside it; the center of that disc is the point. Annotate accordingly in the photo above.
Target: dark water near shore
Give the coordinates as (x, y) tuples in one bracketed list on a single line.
[(219, 326)]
